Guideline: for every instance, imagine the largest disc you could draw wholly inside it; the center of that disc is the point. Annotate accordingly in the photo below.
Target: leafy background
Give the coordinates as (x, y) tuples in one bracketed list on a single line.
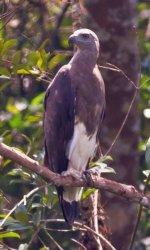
[(33, 45)]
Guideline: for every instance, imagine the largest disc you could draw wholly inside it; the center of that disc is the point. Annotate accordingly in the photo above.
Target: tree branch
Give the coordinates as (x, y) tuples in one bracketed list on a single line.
[(126, 191)]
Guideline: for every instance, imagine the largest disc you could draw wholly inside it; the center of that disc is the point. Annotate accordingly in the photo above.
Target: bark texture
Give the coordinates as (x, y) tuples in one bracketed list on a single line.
[(115, 22)]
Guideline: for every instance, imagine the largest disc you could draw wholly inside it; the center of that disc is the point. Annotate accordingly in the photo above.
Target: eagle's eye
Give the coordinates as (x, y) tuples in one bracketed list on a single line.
[(85, 36)]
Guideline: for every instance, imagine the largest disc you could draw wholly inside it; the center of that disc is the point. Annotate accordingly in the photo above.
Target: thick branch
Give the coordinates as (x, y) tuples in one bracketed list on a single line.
[(125, 191)]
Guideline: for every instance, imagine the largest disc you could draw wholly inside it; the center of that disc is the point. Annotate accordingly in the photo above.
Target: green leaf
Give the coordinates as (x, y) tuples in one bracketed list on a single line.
[(34, 72), (43, 58), (40, 64), (101, 167), (43, 248), (55, 61), (16, 121), (23, 71), (1, 44), (9, 235), (18, 227), (16, 172), (35, 198), (22, 216), (6, 163), (54, 201), (33, 119), (8, 44), (147, 153), (16, 58), (145, 82), (11, 107), (106, 158), (3, 216), (42, 46), (38, 99), (4, 86), (87, 193), (4, 71), (33, 58), (147, 46)]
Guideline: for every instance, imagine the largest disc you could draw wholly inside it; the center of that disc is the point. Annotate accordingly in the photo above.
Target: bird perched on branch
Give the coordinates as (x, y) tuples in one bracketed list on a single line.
[(74, 107)]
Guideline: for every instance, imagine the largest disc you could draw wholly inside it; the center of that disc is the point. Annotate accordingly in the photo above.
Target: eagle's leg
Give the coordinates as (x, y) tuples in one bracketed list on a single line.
[(73, 172), (71, 194)]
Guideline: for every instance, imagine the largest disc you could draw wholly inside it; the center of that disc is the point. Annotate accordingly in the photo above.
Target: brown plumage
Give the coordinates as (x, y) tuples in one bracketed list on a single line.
[(74, 107)]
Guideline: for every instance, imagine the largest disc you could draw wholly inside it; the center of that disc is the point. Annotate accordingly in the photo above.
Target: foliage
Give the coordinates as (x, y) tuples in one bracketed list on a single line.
[(30, 37), (27, 63), (144, 42)]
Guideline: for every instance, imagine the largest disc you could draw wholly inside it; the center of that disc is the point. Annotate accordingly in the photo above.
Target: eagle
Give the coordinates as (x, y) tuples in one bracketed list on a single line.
[(73, 112)]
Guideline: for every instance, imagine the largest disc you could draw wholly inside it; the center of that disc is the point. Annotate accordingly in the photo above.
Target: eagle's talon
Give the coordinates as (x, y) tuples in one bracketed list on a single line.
[(74, 173), (87, 176)]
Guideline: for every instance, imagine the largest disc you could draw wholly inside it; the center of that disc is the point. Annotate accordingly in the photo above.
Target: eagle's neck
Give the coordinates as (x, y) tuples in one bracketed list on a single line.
[(85, 59)]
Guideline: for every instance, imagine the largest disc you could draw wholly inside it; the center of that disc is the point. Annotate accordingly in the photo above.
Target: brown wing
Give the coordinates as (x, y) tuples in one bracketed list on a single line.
[(58, 121), (58, 130)]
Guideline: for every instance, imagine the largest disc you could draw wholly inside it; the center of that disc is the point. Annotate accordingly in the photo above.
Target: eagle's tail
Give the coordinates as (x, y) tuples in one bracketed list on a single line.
[(70, 210)]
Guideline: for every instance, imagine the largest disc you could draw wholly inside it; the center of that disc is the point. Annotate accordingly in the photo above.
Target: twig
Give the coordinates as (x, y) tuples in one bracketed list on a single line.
[(59, 230), (136, 87), (115, 68), (109, 68), (94, 198), (5, 246), (82, 227), (122, 125), (19, 203), (106, 242), (32, 238), (123, 73), (42, 242), (5, 198), (54, 241), (6, 22), (125, 191), (6, 14), (79, 243)]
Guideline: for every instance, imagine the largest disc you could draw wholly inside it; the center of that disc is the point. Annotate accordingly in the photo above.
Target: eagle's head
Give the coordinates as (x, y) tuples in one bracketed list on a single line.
[(85, 39)]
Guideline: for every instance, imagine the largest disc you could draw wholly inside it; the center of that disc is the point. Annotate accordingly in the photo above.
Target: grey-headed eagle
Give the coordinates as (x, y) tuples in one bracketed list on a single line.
[(73, 113)]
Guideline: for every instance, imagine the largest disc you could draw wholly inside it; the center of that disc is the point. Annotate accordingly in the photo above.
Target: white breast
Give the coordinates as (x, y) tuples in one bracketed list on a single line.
[(81, 148)]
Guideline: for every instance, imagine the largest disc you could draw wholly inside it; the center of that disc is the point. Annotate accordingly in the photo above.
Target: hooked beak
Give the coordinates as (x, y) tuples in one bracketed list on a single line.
[(72, 39)]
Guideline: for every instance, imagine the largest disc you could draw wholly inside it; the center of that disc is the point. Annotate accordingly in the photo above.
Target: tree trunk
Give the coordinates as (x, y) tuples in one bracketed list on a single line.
[(114, 22)]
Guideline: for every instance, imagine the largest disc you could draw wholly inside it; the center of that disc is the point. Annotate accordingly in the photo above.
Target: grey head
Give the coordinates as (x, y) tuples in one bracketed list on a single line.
[(85, 39)]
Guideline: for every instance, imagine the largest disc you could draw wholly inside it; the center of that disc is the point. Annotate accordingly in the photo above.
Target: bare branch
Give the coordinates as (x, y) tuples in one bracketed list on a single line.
[(53, 240), (80, 226), (79, 243), (125, 191), (22, 201), (107, 243)]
